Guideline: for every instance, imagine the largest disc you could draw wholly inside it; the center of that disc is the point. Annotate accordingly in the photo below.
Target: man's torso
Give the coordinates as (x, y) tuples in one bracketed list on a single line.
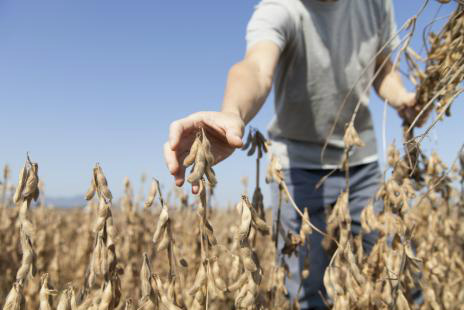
[(328, 57)]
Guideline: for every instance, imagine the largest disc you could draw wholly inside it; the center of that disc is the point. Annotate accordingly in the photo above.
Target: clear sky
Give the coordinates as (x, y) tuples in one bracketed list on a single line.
[(99, 81)]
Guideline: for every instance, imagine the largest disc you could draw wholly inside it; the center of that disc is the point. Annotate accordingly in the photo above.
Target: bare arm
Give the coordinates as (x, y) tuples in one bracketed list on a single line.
[(250, 81)]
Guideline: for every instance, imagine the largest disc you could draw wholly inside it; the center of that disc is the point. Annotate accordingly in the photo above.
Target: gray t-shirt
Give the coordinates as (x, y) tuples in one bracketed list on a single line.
[(326, 49)]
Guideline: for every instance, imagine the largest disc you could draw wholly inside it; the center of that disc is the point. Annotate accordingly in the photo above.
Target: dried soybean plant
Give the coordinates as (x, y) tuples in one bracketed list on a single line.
[(391, 265), (132, 240), (292, 242), (15, 298), (153, 192), (162, 238), (387, 276), (339, 219), (149, 299), (208, 284), (156, 295), (26, 191), (247, 285), (349, 279), (202, 159), (45, 302), (392, 274), (154, 292), (131, 221), (438, 213), (221, 276), (256, 143), (438, 85), (275, 174), (103, 261)]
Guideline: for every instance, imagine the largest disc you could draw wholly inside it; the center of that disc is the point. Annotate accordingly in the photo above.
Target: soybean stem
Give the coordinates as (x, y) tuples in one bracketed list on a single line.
[(293, 204)]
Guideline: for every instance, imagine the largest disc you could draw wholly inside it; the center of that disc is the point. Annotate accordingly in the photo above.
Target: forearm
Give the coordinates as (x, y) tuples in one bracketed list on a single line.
[(246, 90)]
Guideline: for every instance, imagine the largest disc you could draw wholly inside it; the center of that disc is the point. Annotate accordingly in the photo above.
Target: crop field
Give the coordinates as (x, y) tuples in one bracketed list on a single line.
[(174, 253), (150, 255)]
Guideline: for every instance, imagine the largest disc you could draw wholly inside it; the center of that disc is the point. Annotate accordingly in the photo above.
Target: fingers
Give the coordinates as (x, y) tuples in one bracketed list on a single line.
[(225, 132), (195, 188), (177, 129), (174, 167), (180, 177), (170, 159)]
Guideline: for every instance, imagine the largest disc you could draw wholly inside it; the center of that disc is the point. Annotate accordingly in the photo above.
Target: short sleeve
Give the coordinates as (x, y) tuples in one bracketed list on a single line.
[(388, 31), (271, 21)]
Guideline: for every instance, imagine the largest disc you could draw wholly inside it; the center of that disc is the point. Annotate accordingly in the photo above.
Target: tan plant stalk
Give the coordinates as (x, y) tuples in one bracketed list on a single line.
[(64, 302), (45, 294), (104, 260), (26, 191), (257, 143), (15, 299)]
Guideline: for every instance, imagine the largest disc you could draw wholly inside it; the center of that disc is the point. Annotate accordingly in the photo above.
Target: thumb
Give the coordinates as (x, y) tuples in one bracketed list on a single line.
[(234, 137)]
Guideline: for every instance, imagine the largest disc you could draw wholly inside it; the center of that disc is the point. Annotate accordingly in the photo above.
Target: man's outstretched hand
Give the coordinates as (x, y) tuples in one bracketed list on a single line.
[(224, 131)]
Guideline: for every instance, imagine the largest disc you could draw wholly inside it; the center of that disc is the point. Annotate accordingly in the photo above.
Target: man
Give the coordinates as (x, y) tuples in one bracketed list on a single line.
[(315, 52)]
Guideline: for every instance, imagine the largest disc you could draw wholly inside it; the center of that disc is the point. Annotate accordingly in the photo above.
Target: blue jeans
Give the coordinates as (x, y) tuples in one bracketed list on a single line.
[(364, 183)]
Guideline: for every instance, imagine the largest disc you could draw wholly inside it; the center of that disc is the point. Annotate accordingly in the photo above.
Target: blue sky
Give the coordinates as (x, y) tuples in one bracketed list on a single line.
[(99, 81)]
